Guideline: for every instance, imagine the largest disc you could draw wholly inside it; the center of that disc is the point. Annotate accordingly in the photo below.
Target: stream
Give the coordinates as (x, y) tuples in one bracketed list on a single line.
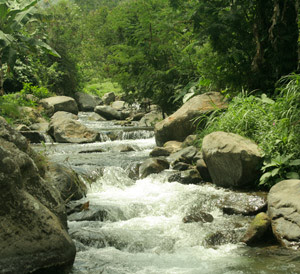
[(134, 226)]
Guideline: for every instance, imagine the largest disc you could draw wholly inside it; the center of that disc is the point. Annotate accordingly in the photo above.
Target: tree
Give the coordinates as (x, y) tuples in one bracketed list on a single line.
[(14, 16)]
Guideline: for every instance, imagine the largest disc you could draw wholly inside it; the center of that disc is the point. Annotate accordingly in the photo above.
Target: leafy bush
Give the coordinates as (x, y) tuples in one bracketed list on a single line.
[(273, 124), (96, 87), (38, 92)]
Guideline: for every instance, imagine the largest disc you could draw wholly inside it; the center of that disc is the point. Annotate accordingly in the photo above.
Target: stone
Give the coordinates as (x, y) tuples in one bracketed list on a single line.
[(108, 112), (42, 127), (232, 160), (96, 117), (150, 119), (71, 131), (87, 102), (181, 166), (173, 146), (201, 216), (189, 176), (255, 233), (33, 137), (119, 105), (153, 165), (185, 155), (203, 170), (66, 181), (60, 115), (60, 103), (123, 148), (33, 235), (159, 151), (181, 123), (247, 204), (138, 116), (31, 115), (284, 212), (108, 98), (189, 141)]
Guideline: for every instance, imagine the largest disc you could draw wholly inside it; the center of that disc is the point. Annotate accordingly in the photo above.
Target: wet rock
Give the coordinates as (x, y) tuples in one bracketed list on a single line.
[(59, 115), (108, 98), (180, 124), (96, 117), (33, 234), (87, 102), (138, 116), (93, 150), (232, 160), (150, 119), (123, 148), (133, 171), (203, 170), (185, 155), (60, 103), (189, 141), (153, 165), (173, 146), (159, 151), (222, 238), (190, 176), (33, 137), (67, 182), (256, 232), (108, 112), (125, 114), (243, 203), (202, 217), (181, 166), (284, 211), (70, 131)]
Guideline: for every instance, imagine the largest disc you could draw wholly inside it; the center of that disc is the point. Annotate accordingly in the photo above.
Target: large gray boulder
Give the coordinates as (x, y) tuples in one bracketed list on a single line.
[(150, 119), (108, 98), (232, 160), (59, 103), (119, 105), (152, 165), (60, 115), (108, 112), (180, 124), (33, 235), (284, 211), (71, 131), (87, 102)]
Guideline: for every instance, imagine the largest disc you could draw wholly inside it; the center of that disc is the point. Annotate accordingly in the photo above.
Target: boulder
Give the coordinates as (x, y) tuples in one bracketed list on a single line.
[(108, 98), (232, 160), (108, 112), (173, 146), (33, 235), (31, 115), (189, 176), (150, 119), (181, 123), (42, 127), (138, 116), (258, 228), (96, 117), (118, 105), (181, 166), (185, 155), (66, 181), (159, 151), (87, 102), (59, 103), (189, 141), (201, 216), (71, 131), (60, 115), (152, 165), (284, 211)]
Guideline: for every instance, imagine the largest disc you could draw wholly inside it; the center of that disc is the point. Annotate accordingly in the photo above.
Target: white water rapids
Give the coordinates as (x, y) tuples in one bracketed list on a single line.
[(137, 226)]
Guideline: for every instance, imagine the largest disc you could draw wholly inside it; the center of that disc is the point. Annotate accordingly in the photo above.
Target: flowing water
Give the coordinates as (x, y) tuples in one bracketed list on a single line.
[(135, 225)]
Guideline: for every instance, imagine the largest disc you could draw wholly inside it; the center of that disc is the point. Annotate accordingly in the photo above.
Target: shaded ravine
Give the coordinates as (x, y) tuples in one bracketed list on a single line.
[(135, 225)]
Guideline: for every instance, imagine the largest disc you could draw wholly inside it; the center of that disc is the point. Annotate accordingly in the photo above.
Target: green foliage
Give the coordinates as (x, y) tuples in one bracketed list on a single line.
[(100, 88), (38, 92), (273, 124)]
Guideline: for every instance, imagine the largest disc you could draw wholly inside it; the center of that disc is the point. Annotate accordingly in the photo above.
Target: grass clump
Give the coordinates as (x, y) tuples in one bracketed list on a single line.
[(95, 87), (273, 124)]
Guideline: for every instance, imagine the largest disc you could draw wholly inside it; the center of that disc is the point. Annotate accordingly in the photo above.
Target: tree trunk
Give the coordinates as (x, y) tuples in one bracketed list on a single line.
[(276, 35)]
